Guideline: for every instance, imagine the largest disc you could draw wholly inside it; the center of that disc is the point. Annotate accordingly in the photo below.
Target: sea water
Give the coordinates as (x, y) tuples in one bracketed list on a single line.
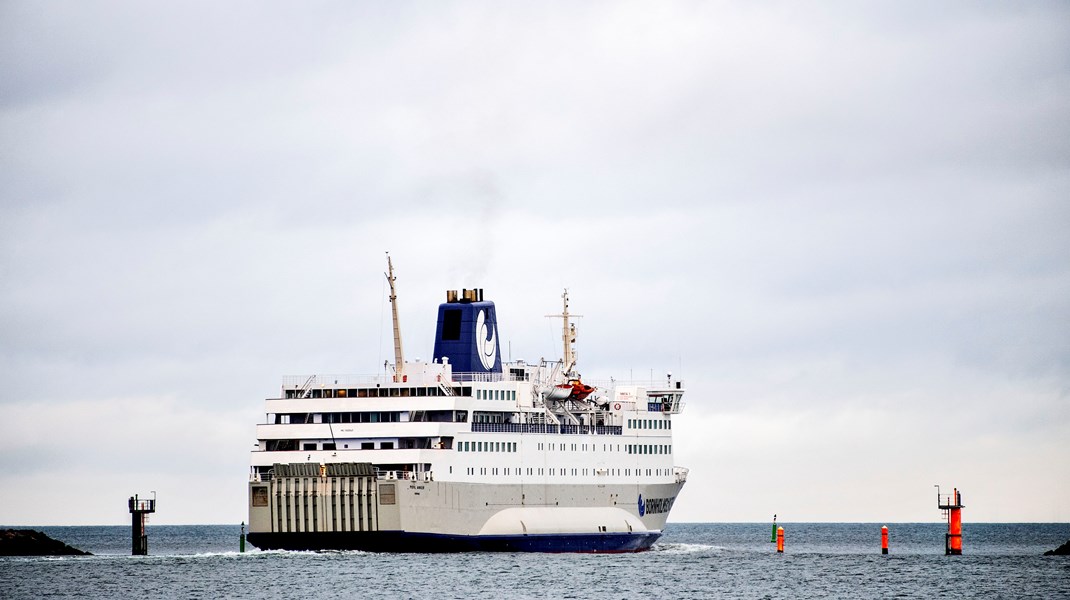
[(821, 560)]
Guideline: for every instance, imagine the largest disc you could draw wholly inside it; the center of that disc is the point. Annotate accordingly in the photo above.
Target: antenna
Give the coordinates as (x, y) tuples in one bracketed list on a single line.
[(399, 360)]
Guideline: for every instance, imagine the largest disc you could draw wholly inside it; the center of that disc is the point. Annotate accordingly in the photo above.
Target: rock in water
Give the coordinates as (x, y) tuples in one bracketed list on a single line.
[(27, 542), (1063, 550)]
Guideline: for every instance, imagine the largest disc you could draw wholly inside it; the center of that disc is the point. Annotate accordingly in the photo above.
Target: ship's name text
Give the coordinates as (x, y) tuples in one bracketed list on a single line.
[(659, 505)]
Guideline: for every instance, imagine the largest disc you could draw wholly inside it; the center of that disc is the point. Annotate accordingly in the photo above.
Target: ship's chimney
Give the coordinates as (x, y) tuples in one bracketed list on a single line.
[(467, 333)]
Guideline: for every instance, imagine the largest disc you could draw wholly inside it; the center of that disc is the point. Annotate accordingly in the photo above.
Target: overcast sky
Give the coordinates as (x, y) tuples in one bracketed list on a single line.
[(843, 225)]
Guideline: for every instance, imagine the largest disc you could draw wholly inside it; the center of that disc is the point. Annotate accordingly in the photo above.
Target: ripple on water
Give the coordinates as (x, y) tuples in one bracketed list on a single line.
[(690, 561)]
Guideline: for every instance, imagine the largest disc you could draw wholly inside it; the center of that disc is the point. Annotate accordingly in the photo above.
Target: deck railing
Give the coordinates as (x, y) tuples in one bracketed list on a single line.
[(352, 380), (139, 505)]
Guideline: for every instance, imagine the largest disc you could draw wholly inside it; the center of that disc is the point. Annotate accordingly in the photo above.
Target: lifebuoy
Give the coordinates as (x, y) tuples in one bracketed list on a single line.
[(616, 406)]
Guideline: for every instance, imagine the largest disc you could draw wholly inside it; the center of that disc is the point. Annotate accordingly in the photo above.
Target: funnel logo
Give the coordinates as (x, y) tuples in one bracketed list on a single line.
[(486, 341), (642, 506)]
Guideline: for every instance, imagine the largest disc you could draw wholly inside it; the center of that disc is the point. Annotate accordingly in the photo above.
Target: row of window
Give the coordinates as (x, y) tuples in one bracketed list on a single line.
[(292, 445), (511, 447), (496, 395), (334, 446), (338, 417), (577, 447), (480, 416), (486, 446), (649, 448), (277, 445), (563, 472), (649, 424), (629, 448), (437, 416), (379, 392)]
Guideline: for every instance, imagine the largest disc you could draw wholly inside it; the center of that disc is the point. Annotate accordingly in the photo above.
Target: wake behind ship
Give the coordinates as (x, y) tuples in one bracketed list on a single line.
[(465, 453)]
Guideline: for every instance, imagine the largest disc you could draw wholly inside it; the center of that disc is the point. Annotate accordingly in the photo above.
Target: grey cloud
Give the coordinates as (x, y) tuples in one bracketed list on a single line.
[(820, 214)]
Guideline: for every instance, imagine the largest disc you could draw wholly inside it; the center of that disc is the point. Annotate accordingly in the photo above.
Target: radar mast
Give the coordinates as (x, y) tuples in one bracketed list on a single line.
[(568, 337), (399, 360)]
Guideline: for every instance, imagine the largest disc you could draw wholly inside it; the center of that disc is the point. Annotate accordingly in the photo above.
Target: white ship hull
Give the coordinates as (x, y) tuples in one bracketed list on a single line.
[(431, 516)]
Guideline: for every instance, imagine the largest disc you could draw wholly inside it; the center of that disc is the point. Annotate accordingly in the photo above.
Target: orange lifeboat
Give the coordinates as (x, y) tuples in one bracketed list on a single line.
[(580, 390)]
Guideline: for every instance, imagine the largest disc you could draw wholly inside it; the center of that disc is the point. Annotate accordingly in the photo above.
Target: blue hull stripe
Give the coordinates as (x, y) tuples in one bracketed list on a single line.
[(405, 541)]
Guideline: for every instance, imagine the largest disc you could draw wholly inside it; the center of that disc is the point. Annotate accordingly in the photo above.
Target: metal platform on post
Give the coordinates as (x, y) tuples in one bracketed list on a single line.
[(952, 506), (139, 511)]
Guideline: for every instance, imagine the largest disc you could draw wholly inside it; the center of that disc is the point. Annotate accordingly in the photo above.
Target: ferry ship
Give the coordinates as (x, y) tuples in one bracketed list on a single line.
[(465, 452)]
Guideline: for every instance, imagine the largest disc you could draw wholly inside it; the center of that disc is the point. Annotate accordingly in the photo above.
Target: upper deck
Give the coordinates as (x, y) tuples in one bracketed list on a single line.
[(529, 386), (429, 405)]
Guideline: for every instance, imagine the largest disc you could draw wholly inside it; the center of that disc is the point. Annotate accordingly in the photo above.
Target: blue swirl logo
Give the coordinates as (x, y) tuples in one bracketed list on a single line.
[(642, 506), (486, 341)]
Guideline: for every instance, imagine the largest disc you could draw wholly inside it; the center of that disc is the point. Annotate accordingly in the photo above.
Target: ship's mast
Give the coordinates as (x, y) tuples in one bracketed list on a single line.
[(568, 336), (399, 360)]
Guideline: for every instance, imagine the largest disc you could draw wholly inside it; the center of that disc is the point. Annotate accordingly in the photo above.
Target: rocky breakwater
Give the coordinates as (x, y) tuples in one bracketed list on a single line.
[(1063, 550), (27, 542)]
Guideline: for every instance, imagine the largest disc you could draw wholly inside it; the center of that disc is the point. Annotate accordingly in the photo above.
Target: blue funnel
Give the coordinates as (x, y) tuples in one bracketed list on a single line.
[(467, 333)]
